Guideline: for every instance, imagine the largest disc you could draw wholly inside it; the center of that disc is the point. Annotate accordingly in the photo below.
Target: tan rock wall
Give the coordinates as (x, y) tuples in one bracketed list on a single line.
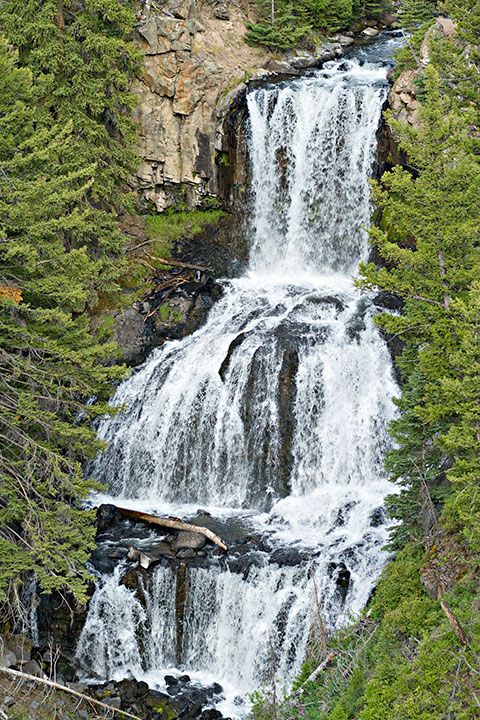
[(403, 102), (195, 64)]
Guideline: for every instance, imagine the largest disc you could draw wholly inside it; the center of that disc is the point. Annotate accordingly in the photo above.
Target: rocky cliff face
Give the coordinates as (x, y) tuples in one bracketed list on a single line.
[(192, 143), (195, 63), (403, 101)]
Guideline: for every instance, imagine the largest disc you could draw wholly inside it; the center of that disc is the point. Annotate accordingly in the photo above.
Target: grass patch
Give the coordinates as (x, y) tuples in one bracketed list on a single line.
[(172, 225), (163, 229)]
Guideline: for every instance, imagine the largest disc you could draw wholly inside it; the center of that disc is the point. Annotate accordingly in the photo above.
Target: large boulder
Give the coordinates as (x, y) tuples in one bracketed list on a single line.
[(185, 539)]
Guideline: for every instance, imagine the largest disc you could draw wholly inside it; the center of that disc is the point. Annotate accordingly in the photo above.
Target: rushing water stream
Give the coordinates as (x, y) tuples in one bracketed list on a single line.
[(272, 416)]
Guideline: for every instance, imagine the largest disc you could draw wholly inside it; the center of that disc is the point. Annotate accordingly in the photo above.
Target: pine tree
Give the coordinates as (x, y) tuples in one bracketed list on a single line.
[(83, 59), (457, 400), (284, 23), (433, 258), (414, 13), (50, 362), (457, 59), (417, 464)]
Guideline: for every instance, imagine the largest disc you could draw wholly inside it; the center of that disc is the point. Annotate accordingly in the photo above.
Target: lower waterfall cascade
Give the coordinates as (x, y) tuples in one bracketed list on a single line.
[(271, 418)]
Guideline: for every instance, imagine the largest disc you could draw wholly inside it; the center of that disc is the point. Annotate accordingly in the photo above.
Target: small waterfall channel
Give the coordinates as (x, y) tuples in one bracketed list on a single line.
[(270, 421)]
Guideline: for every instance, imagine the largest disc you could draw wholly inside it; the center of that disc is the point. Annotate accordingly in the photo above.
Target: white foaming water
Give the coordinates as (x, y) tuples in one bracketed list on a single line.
[(275, 412)]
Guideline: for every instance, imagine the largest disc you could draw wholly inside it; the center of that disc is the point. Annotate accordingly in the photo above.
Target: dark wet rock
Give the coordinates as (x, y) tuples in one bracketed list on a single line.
[(196, 315), (192, 540), (377, 517), (395, 346), (142, 688), (171, 680), (128, 690), (174, 689), (156, 699), (107, 517), (357, 323), (133, 334), (201, 561), (343, 578), (280, 67), (288, 556), (343, 514), (287, 392), (132, 580), (242, 564), (113, 701), (211, 714), (327, 300), (388, 301), (340, 575), (186, 554), (236, 342), (118, 553), (102, 562)]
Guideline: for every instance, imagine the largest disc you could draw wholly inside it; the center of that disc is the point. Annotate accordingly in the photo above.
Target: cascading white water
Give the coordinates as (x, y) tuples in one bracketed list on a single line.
[(274, 412)]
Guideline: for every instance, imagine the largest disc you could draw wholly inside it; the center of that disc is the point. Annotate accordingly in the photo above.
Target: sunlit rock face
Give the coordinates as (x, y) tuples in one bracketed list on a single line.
[(195, 61)]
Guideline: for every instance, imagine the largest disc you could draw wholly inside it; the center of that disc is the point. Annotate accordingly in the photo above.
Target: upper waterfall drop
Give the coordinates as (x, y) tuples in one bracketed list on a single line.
[(275, 412), (312, 149)]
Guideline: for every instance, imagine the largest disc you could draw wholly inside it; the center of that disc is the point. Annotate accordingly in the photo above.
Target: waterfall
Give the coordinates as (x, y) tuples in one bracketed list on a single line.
[(274, 413)]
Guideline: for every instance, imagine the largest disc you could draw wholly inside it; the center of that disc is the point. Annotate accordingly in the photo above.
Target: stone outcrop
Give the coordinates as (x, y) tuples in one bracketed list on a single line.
[(403, 101), (195, 65)]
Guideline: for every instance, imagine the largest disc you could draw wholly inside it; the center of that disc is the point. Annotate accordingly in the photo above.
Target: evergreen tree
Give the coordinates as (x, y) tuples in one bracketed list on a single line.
[(83, 59), (284, 23), (50, 362), (433, 258), (457, 59), (457, 400), (416, 463), (414, 13)]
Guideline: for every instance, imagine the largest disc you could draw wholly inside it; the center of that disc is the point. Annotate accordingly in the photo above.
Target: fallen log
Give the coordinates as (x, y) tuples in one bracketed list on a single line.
[(313, 676), (453, 620), (179, 263), (58, 686), (175, 524)]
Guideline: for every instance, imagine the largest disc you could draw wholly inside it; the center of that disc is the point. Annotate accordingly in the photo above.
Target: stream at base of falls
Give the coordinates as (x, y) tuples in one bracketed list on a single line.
[(268, 424)]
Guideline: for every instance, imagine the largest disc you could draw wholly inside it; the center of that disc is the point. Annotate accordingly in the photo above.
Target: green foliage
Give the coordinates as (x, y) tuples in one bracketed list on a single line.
[(82, 60), (63, 156), (433, 264), (291, 21), (284, 23), (407, 56), (289, 24), (164, 229), (414, 13), (173, 224), (458, 61)]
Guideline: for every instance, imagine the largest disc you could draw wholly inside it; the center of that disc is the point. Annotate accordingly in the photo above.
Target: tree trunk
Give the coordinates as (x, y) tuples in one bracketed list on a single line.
[(176, 524)]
